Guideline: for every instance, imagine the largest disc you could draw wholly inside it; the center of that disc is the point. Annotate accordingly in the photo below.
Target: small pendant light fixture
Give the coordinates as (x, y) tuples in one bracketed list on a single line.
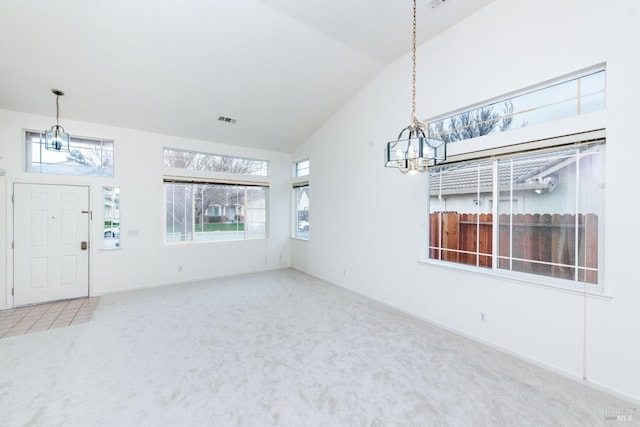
[(418, 151), (56, 139)]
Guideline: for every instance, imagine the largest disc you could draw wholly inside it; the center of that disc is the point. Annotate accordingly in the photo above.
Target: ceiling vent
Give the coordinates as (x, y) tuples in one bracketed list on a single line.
[(436, 3), (227, 119)]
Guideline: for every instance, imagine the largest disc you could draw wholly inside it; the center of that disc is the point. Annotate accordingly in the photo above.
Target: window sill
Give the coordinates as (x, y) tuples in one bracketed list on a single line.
[(521, 278), (302, 239), (205, 242)]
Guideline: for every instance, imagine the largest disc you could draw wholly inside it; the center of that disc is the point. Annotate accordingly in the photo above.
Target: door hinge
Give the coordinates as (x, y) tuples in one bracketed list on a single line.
[(13, 198), (12, 291), (12, 245)]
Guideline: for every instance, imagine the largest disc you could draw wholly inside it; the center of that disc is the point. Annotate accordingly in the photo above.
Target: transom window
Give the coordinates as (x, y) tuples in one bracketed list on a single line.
[(578, 94), (537, 213), (193, 160), (86, 156), (301, 168)]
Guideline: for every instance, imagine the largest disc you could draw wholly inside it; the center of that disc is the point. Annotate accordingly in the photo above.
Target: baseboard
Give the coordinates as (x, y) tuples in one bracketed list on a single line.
[(183, 282)]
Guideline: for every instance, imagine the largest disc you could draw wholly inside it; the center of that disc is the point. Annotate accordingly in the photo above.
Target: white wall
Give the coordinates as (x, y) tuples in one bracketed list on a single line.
[(143, 259), (373, 242)]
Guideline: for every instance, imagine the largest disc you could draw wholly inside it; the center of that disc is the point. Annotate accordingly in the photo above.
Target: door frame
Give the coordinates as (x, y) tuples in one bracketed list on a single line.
[(10, 276)]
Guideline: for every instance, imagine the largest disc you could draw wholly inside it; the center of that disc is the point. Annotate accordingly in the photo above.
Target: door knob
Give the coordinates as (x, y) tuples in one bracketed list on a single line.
[(84, 246)]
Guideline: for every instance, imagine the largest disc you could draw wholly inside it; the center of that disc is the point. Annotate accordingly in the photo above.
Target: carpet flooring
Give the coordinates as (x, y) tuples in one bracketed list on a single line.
[(275, 349)]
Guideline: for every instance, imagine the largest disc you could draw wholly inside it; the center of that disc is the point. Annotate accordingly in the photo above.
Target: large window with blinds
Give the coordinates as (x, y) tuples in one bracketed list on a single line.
[(214, 209), (209, 211), (536, 213)]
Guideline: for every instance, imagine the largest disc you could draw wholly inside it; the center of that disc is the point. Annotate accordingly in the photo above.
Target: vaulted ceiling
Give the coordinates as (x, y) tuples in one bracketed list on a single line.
[(279, 67)]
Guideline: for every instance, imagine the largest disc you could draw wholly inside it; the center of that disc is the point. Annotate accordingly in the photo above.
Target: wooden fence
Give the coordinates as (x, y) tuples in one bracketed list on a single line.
[(541, 244)]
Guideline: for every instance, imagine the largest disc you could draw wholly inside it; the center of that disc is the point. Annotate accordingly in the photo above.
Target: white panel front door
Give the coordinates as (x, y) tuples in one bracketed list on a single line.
[(51, 222)]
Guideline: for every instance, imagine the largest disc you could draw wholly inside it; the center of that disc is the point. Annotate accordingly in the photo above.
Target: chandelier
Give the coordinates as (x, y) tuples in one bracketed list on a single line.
[(417, 151), (56, 139)]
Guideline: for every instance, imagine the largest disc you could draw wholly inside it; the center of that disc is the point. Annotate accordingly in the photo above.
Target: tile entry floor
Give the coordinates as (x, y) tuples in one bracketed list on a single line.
[(23, 320)]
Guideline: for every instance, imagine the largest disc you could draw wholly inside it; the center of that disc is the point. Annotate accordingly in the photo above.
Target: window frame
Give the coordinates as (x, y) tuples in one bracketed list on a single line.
[(214, 182), (264, 170), (583, 127), (598, 289), (300, 179), (208, 177), (114, 219), (298, 171), (106, 146), (539, 89), (296, 227)]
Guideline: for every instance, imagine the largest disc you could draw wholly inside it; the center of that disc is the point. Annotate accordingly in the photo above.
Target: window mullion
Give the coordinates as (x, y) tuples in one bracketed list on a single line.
[(494, 214), (576, 222), (246, 212), (440, 231), (511, 215), (478, 249), (193, 212)]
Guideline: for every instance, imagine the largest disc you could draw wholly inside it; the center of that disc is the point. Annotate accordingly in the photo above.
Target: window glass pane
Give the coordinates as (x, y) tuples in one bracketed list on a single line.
[(594, 102), (538, 237), (590, 167), (460, 228), (215, 212), (548, 205), (550, 112), (302, 168), (301, 195), (178, 212), (192, 160), (550, 95), (256, 212), (225, 203), (593, 83), (86, 157), (111, 214)]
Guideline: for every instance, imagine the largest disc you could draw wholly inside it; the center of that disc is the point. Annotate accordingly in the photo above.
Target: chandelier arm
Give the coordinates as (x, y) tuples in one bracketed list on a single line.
[(408, 128)]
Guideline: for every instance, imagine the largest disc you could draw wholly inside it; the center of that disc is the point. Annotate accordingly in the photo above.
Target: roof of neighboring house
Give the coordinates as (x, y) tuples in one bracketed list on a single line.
[(527, 172)]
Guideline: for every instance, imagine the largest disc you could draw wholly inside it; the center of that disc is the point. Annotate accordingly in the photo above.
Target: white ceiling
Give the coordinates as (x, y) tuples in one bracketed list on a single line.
[(280, 67)]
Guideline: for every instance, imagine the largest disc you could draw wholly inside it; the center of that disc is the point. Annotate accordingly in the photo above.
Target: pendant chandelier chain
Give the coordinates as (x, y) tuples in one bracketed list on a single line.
[(57, 110), (413, 59)]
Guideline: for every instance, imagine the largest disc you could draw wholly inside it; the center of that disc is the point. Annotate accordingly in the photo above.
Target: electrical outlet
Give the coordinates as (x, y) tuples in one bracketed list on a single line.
[(179, 268), (483, 317)]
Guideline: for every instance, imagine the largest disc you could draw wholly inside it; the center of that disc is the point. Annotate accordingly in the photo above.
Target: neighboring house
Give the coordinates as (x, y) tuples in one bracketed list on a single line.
[(537, 183)]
